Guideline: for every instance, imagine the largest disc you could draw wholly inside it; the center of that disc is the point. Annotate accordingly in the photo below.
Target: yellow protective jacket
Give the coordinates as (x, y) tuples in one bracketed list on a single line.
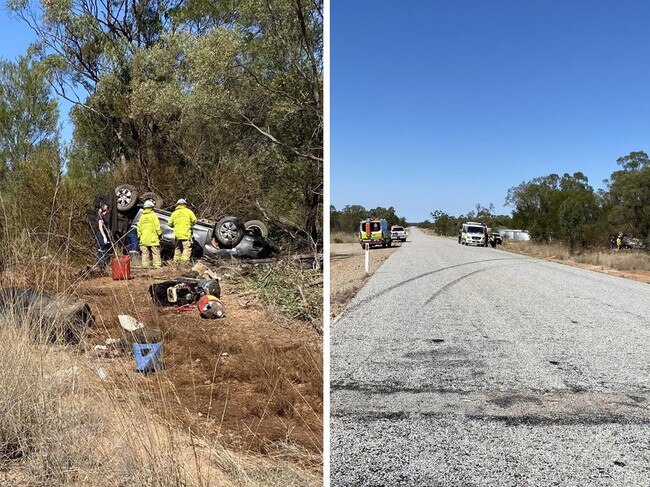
[(149, 229), (181, 221)]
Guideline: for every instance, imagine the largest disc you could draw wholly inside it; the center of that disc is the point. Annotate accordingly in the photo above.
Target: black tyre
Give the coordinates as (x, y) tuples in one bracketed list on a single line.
[(150, 195), (229, 231), (127, 197), (257, 227)]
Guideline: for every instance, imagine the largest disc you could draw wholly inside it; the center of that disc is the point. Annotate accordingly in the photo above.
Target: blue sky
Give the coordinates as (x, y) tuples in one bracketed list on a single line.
[(442, 105), (15, 38)]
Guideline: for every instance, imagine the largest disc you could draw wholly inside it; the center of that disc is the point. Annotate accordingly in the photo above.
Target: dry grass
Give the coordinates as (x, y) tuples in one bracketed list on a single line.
[(344, 237), (624, 260), (61, 424), (67, 427), (555, 251)]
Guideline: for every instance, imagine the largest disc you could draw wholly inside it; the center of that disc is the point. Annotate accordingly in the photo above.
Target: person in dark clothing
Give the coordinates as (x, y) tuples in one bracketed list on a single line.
[(103, 235)]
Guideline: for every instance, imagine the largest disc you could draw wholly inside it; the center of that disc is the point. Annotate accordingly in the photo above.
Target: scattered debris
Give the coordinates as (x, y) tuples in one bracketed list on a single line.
[(210, 307), (113, 347), (204, 271), (148, 357), (185, 307), (129, 323), (73, 371), (181, 291)]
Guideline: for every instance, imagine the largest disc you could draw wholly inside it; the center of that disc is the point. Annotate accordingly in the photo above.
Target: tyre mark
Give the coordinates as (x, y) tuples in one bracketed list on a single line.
[(461, 278), (420, 276)]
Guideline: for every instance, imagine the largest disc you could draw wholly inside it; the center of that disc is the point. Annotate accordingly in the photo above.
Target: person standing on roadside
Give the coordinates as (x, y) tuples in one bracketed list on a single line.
[(149, 233), (103, 235), (181, 221)]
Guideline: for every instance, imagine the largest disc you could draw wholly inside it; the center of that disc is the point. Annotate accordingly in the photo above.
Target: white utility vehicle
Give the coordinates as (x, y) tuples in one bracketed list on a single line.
[(473, 233), (398, 233)]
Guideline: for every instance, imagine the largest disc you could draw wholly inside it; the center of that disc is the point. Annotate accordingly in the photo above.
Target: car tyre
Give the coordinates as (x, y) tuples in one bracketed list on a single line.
[(229, 231), (150, 195), (257, 227), (127, 197)]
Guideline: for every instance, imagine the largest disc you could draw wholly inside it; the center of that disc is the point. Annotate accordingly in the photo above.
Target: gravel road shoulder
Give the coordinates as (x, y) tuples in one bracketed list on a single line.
[(347, 273)]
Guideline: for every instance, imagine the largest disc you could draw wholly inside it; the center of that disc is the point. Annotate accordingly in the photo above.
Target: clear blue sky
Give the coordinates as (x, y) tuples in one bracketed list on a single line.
[(15, 38), (444, 104)]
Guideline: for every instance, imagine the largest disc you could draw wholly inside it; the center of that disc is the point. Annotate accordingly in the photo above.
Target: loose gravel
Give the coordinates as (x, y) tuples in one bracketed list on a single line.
[(464, 366)]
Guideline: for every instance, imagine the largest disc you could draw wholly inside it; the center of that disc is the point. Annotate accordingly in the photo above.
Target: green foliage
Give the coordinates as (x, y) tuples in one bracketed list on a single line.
[(28, 113), (553, 207), (629, 196), (347, 220), (216, 102), (444, 224)]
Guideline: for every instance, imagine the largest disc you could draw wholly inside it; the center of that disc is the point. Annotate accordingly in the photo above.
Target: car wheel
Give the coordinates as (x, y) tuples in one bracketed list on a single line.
[(229, 231), (127, 197), (150, 195), (257, 227)]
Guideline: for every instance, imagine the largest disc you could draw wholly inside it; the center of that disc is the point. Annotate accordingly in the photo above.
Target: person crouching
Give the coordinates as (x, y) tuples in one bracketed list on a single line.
[(181, 221), (149, 233)]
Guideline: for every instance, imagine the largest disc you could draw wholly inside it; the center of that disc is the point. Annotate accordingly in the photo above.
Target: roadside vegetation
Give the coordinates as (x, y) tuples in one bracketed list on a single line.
[(347, 219), (217, 104), (623, 260), (344, 237), (293, 292), (566, 210)]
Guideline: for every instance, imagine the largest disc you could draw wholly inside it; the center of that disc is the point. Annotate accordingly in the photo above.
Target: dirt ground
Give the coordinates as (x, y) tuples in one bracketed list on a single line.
[(347, 272), (251, 379), (641, 276)]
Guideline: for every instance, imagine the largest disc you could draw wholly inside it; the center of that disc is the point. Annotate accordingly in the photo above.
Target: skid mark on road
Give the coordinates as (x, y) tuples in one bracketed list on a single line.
[(420, 276), (461, 278)]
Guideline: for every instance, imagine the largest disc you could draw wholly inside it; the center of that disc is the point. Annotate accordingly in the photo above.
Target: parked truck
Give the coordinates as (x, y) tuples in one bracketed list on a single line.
[(374, 232)]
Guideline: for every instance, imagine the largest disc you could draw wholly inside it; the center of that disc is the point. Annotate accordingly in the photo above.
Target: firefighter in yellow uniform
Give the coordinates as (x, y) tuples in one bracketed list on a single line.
[(181, 221), (149, 233)]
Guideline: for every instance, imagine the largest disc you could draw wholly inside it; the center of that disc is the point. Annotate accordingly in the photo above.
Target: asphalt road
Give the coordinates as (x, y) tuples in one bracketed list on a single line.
[(465, 366)]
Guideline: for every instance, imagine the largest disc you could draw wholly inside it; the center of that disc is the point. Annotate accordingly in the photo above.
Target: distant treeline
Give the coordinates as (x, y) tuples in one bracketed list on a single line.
[(347, 219), (444, 224), (567, 209)]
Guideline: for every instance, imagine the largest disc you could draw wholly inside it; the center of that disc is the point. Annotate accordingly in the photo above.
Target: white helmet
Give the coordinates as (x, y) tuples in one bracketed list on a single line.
[(181, 202), (149, 204)]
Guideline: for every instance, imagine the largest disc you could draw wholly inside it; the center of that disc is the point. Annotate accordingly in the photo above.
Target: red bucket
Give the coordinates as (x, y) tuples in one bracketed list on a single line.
[(121, 267)]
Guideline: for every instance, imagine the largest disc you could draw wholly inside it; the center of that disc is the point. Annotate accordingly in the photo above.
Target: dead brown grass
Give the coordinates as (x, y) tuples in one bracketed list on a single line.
[(344, 237), (626, 263), (347, 272), (67, 427), (61, 424)]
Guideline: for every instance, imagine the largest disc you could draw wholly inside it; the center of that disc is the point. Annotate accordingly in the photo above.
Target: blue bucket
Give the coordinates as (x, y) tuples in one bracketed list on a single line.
[(148, 357)]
